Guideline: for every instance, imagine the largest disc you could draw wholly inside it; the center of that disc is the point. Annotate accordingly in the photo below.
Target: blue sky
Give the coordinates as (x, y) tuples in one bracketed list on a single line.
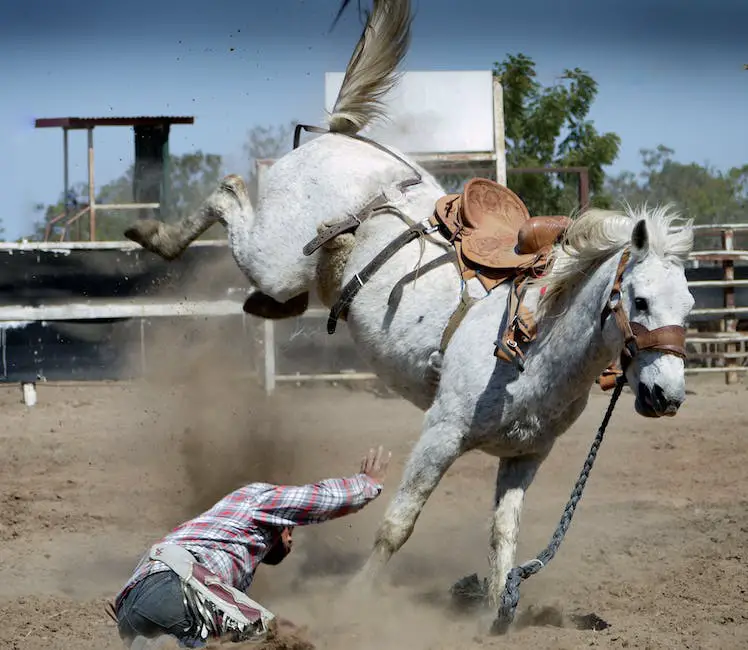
[(670, 71)]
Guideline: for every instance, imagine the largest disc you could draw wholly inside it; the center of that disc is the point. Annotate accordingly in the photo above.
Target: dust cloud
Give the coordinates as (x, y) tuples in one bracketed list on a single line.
[(227, 432)]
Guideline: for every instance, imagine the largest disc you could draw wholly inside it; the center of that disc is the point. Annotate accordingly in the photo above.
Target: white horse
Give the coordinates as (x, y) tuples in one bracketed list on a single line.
[(398, 317)]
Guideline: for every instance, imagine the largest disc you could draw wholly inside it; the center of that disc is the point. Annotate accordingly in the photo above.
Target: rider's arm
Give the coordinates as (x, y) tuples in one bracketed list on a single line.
[(287, 505)]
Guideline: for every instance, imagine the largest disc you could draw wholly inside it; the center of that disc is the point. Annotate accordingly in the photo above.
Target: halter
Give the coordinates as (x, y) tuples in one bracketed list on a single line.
[(669, 339)]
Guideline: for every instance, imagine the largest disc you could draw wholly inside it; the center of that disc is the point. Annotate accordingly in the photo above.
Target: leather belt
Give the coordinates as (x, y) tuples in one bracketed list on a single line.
[(351, 289)]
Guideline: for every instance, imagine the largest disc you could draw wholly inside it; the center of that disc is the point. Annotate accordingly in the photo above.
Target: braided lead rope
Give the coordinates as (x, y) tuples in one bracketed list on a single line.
[(510, 595)]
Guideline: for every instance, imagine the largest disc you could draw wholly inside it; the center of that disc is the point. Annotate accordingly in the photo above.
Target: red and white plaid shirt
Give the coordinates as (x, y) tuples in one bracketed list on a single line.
[(233, 536)]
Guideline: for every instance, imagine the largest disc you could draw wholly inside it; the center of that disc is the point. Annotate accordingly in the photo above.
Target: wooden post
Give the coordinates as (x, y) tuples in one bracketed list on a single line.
[(143, 361), (730, 322), (29, 393), (269, 364), (268, 338), (3, 353), (499, 136)]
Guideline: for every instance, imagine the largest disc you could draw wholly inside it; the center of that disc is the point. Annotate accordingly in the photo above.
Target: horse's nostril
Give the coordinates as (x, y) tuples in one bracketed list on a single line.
[(653, 397), (659, 399)]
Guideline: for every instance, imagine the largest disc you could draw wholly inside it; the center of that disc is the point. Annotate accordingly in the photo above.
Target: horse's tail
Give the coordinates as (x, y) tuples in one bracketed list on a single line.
[(370, 73)]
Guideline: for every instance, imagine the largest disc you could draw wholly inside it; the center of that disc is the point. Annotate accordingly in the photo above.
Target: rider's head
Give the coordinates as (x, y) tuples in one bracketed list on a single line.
[(280, 549)]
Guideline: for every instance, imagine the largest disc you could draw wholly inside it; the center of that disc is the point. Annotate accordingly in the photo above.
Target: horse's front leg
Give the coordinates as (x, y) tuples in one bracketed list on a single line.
[(439, 446), (512, 481)]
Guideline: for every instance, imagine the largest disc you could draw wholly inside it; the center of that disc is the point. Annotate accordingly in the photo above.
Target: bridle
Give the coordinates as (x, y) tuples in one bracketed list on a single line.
[(669, 339)]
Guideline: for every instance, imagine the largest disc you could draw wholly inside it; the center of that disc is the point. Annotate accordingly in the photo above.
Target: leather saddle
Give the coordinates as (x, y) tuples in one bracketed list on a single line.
[(495, 240), (493, 233)]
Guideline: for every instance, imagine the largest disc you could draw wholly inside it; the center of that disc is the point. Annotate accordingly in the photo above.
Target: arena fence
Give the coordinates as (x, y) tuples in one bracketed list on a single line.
[(297, 350), (716, 342), (719, 341)]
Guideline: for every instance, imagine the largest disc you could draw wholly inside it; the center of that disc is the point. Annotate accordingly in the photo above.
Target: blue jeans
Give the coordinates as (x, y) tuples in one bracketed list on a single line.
[(154, 607)]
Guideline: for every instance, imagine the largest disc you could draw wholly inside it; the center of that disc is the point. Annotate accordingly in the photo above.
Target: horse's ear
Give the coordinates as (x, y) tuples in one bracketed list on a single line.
[(640, 238)]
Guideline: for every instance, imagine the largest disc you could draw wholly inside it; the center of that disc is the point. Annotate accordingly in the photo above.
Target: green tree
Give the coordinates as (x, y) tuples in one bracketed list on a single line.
[(265, 142), (549, 127), (702, 193), (191, 178)]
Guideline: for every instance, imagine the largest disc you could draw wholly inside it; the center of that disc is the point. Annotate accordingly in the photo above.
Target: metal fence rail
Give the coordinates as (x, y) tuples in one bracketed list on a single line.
[(722, 351), (727, 348)]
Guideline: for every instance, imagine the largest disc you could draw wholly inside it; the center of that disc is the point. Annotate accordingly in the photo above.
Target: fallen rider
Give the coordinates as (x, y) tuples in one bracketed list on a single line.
[(191, 585)]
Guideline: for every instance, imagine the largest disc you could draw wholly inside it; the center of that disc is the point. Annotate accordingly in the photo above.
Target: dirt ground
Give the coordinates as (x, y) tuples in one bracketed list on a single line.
[(93, 474)]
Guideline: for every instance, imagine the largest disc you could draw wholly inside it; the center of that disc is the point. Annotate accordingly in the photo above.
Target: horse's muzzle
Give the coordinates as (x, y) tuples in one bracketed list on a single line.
[(653, 403)]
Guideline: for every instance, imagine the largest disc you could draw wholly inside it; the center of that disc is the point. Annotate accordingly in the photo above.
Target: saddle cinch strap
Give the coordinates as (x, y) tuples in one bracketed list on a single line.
[(520, 328), (494, 240), (222, 608)]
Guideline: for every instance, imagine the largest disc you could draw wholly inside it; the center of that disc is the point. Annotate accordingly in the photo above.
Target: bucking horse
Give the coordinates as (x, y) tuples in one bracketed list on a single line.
[(495, 323)]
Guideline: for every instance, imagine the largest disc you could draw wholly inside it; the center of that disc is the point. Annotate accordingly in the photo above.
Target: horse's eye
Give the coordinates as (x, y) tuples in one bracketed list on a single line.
[(641, 304)]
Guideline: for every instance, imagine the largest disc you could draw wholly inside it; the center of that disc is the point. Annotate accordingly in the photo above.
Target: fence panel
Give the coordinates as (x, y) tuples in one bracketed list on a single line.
[(69, 311)]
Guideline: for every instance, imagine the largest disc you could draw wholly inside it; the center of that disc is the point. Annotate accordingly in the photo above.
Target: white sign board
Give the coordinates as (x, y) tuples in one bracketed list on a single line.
[(433, 112)]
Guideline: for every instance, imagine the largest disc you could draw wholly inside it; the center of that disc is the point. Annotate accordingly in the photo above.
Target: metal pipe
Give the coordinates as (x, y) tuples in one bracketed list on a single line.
[(717, 340), (695, 371), (729, 325), (122, 245), (719, 355), (59, 217), (584, 188), (121, 309), (66, 171), (716, 311), (718, 283), (720, 255), (91, 192), (344, 376), (717, 227), (125, 206)]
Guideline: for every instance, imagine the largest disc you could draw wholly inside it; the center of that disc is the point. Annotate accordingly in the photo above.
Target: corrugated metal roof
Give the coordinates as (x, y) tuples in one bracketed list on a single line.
[(90, 122)]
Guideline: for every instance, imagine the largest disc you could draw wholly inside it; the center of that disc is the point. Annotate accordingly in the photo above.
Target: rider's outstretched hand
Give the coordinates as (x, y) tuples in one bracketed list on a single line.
[(375, 464)]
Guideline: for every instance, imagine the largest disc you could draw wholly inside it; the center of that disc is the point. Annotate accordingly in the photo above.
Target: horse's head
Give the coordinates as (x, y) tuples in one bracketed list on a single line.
[(655, 302)]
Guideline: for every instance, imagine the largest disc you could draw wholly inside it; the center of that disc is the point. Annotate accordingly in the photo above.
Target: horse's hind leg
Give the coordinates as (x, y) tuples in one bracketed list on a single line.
[(169, 240), (439, 446), (263, 306), (229, 201)]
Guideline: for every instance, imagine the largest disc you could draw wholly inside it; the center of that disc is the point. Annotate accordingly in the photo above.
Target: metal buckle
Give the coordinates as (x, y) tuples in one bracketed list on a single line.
[(614, 300), (631, 348)]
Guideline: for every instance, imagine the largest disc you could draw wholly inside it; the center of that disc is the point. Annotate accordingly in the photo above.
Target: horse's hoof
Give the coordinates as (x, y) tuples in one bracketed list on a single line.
[(361, 588), (234, 183), (499, 627), (263, 306), (152, 236), (143, 232), (469, 593)]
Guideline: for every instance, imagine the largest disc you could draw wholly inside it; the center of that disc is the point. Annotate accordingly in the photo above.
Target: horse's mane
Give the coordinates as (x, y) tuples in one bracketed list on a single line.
[(596, 235)]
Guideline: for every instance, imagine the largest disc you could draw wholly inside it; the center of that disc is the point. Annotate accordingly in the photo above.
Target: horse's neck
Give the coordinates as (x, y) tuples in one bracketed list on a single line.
[(571, 349)]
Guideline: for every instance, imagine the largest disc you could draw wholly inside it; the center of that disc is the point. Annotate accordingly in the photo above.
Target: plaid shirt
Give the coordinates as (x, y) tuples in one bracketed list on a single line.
[(233, 536)]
